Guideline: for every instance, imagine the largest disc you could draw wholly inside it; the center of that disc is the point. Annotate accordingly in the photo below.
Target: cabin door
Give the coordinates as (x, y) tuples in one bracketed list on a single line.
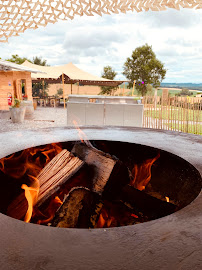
[(18, 89)]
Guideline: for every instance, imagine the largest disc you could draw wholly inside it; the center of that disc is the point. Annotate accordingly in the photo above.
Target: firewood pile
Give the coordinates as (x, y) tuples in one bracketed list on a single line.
[(84, 188)]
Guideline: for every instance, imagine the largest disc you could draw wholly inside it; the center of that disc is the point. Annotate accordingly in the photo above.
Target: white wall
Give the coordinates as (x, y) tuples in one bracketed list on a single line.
[(99, 114)]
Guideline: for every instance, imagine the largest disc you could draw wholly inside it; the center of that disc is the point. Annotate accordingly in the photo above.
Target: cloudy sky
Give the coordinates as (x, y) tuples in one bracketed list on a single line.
[(94, 42)]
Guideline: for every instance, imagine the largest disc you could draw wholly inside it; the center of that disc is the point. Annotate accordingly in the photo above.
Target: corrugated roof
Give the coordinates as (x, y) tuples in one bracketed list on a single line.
[(6, 65)]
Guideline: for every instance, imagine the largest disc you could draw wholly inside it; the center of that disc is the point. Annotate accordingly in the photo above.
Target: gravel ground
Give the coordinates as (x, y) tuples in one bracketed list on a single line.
[(43, 117)]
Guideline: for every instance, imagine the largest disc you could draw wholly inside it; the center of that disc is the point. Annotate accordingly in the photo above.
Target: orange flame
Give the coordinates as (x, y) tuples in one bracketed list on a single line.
[(101, 222), (49, 213), (104, 220), (142, 173), (133, 215), (31, 194), (167, 199), (81, 134), (29, 161)]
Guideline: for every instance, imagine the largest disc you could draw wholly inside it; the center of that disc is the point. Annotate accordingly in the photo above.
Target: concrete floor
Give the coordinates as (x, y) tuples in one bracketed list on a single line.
[(44, 117)]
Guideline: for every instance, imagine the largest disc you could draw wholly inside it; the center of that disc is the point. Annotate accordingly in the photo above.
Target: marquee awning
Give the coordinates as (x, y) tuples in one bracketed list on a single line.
[(71, 73)]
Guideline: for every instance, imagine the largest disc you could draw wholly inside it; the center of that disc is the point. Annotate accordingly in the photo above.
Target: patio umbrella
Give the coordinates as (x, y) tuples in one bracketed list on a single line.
[(18, 15)]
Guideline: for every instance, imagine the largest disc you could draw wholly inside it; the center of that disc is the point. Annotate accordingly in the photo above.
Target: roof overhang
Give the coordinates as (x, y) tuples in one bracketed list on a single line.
[(67, 80), (7, 66)]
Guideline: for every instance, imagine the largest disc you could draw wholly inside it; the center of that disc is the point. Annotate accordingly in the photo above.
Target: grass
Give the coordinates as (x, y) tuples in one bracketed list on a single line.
[(178, 119), (188, 129), (171, 92), (177, 114)]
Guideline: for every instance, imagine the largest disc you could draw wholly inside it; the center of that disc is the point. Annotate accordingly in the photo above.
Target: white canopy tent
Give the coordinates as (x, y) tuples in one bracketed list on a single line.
[(71, 73), (67, 74)]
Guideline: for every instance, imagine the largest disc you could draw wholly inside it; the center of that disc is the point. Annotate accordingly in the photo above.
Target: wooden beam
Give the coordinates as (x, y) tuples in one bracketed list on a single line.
[(63, 87), (43, 88), (133, 87), (78, 89)]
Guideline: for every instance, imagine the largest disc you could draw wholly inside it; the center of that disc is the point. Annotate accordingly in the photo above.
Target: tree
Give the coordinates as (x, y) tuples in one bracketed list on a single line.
[(144, 68), (184, 92), (39, 89), (17, 59), (38, 61), (149, 89), (108, 73), (60, 92)]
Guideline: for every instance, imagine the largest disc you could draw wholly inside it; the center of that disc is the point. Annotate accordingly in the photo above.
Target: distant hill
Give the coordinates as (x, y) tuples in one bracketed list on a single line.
[(193, 86)]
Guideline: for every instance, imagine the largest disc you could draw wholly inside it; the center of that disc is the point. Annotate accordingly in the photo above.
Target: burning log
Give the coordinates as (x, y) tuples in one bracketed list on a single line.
[(80, 210), (142, 202), (101, 191), (60, 169), (142, 173), (56, 173), (110, 174), (115, 214)]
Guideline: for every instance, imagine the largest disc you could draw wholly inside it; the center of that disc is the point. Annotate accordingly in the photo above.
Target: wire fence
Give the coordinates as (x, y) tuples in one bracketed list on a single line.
[(182, 114)]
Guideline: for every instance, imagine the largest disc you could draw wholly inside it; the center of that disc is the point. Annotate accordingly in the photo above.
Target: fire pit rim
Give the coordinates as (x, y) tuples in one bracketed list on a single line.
[(166, 235)]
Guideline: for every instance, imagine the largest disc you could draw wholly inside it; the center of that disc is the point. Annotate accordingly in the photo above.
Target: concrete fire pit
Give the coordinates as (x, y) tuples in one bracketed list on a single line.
[(171, 242)]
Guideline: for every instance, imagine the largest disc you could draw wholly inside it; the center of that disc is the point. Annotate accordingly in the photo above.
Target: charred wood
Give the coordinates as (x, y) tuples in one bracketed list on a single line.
[(80, 209), (59, 170), (142, 202), (116, 214), (110, 174)]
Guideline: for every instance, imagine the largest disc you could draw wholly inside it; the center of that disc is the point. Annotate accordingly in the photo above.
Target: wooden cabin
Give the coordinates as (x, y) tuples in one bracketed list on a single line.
[(16, 84)]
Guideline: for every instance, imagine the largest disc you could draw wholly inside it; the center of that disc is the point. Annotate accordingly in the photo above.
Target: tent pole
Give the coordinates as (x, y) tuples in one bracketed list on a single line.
[(43, 88), (133, 88), (63, 86), (78, 89)]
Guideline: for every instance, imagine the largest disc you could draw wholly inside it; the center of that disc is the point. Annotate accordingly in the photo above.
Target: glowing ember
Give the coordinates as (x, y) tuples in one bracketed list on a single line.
[(167, 199), (142, 173), (133, 215), (104, 220)]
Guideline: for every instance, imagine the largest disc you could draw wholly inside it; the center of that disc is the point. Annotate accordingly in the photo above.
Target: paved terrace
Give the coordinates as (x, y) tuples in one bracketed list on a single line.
[(44, 117)]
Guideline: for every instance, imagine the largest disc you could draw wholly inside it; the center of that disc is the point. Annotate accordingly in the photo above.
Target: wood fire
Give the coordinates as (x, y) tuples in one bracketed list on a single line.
[(82, 187)]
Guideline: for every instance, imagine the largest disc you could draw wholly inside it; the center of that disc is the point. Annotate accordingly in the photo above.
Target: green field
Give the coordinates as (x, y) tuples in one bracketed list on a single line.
[(177, 114), (172, 92), (187, 128)]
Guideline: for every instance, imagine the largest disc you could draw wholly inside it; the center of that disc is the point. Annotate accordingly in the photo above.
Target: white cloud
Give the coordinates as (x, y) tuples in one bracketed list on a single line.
[(94, 42)]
